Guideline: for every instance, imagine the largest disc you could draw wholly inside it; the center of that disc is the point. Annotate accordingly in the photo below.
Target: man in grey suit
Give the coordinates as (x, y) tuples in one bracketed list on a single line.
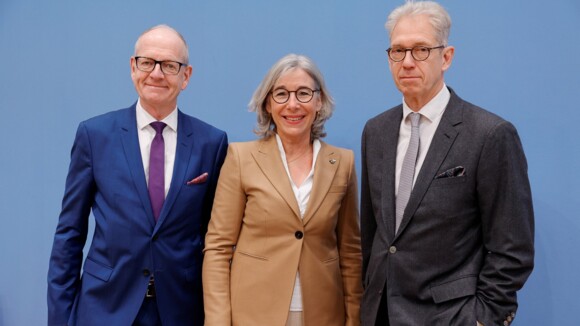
[(447, 221)]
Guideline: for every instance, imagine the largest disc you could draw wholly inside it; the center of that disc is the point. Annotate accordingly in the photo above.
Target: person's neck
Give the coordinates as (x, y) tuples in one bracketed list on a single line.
[(417, 103), (296, 149), (158, 112)]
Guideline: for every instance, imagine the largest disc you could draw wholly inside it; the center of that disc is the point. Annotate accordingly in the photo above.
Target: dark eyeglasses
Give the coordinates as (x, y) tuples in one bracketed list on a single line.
[(303, 95), (168, 67), (419, 53)]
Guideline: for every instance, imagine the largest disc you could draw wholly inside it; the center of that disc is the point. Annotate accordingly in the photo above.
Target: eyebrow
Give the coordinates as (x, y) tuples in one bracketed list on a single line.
[(414, 44), (299, 86)]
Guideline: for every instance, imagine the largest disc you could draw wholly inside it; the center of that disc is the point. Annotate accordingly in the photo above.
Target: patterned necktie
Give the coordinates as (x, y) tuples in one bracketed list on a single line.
[(408, 170), (157, 169)]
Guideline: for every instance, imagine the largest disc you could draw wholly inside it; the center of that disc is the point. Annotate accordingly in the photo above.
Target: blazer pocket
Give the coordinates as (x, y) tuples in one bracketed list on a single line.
[(447, 181), (251, 255), (462, 287), (97, 270), (330, 260), (337, 189)]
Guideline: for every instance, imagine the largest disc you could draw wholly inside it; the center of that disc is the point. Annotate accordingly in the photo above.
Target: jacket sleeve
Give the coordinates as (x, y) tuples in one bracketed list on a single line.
[(367, 219), (348, 237), (71, 232), (222, 236), (208, 202), (507, 218)]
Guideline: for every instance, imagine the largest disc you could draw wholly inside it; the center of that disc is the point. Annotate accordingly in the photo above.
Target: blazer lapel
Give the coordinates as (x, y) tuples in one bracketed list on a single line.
[(443, 139), (324, 170), (132, 151), (388, 140), (183, 149), (268, 159)]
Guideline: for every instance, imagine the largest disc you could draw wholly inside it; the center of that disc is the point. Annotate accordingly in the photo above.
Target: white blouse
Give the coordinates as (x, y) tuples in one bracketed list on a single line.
[(302, 194)]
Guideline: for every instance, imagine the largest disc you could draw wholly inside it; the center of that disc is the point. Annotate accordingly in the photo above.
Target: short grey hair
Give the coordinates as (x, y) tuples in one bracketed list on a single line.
[(265, 126), (438, 17), (186, 50)]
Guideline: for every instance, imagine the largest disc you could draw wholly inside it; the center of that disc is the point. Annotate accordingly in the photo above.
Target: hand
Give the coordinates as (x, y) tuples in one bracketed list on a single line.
[(479, 324)]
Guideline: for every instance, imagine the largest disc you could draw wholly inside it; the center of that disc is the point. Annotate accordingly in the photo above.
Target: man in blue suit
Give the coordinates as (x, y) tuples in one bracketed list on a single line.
[(150, 190)]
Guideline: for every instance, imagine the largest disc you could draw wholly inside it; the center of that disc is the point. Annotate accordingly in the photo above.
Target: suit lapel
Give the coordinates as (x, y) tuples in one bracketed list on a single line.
[(388, 139), (132, 151), (268, 158), (443, 139), (183, 149), (324, 170)]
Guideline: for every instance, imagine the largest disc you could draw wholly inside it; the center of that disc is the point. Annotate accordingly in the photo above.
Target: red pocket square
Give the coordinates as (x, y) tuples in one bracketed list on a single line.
[(197, 180)]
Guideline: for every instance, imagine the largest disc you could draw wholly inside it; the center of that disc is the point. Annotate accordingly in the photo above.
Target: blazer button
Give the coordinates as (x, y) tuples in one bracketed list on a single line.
[(146, 272), (299, 235), (392, 249)]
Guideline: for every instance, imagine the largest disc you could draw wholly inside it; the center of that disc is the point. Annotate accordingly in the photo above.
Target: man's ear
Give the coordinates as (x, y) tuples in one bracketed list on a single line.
[(448, 53), (187, 75)]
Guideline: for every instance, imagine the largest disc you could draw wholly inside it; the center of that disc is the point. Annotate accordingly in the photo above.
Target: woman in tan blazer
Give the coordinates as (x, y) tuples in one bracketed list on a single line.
[(283, 244)]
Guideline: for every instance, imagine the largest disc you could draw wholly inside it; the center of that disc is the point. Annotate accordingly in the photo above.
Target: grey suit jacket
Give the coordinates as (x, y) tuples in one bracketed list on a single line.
[(465, 245)]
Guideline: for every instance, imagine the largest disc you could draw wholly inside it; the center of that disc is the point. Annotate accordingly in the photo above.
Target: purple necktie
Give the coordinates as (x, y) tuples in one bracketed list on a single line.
[(157, 169)]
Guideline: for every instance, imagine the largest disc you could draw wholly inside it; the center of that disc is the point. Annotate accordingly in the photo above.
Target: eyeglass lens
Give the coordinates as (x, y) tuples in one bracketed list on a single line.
[(303, 95)]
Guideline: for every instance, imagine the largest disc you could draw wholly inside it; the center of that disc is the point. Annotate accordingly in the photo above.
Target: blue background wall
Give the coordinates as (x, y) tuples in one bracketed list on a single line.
[(65, 61)]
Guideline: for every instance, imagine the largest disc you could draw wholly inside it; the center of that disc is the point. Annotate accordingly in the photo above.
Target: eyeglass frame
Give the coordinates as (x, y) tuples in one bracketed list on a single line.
[(411, 50), (160, 62), (296, 96)]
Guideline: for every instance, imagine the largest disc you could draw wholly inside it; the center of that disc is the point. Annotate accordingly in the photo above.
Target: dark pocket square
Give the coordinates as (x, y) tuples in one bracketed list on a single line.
[(455, 172), (199, 179)]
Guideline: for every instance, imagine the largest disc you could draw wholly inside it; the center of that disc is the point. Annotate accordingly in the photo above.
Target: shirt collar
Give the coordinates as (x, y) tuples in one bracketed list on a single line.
[(315, 149), (144, 118), (434, 108)]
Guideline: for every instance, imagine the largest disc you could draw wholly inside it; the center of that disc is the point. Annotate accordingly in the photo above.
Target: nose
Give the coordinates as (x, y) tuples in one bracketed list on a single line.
[(157, 71), (408, 61), (293, 100)]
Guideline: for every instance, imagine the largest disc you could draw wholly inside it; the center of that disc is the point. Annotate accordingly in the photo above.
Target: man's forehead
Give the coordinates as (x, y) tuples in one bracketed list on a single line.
[(413, 32), (160, 34)]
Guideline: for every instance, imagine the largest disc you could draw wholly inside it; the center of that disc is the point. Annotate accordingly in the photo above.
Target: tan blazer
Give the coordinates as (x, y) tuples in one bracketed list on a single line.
[(256, 225)]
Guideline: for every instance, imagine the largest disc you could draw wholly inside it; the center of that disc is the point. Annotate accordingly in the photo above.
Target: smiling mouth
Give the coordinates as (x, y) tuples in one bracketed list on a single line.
[(294, 118)]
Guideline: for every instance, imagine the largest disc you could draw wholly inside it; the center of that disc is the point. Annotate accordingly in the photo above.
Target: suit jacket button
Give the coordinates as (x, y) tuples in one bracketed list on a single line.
[(146, 272), (392, 249), (299, 235)]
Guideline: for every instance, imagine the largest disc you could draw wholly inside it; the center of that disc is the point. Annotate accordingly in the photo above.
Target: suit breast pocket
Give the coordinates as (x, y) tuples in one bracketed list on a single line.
[(441, 182), (449, 198)]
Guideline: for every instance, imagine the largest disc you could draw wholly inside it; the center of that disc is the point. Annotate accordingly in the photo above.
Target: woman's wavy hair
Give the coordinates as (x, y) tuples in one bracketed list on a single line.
[(265, 126)]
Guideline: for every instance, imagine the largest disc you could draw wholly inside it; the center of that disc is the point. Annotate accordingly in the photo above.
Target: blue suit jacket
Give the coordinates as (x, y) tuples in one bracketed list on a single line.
[(106, 177)]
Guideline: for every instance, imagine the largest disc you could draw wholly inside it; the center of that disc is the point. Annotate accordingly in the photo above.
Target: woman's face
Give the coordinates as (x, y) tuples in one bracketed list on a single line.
[(294, 118)]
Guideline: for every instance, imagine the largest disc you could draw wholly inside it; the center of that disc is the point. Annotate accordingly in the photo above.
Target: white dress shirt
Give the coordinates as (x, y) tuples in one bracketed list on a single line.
[(302, 194), (431, 115), (146, 134)]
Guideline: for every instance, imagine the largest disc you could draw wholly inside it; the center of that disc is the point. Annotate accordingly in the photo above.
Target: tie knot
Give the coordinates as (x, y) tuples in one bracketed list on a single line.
[(415, 118), (158, 126)]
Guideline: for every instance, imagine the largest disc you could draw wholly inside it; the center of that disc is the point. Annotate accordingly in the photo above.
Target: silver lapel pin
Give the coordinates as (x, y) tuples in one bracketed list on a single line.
[(332, 161)]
